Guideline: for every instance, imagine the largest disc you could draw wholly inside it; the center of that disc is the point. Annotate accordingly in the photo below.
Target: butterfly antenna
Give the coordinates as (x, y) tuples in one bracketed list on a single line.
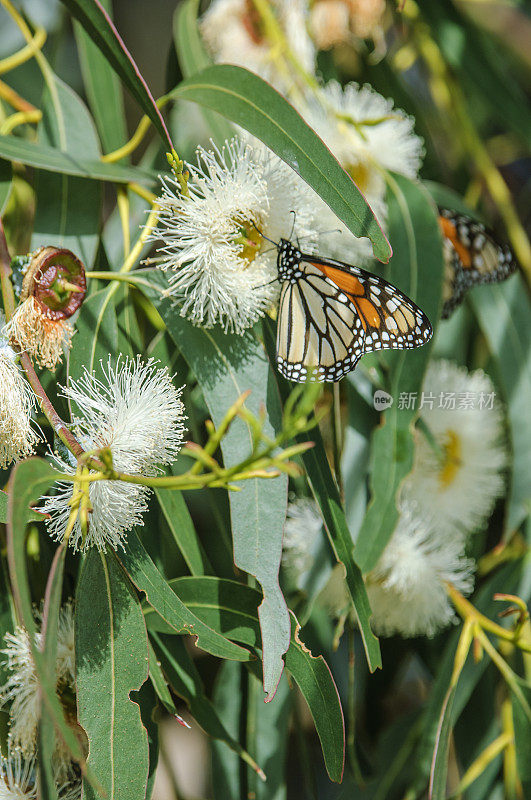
[(253, 223), (293, 224), (263, 285)]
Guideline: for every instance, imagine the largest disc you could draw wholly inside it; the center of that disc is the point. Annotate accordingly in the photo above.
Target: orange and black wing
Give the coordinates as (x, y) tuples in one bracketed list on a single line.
[(472, 257), (335, 313)]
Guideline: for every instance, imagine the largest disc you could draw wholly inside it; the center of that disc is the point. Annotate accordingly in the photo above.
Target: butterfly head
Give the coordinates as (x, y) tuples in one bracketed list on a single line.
[(288, 260)]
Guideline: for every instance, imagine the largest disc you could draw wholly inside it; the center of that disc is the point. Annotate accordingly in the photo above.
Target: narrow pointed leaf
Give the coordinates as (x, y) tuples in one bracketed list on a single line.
[(111, 662), (247, 100)]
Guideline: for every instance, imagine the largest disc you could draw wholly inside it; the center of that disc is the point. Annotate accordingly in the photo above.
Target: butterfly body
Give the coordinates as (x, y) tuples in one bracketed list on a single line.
[(332, 313), (472, 257)]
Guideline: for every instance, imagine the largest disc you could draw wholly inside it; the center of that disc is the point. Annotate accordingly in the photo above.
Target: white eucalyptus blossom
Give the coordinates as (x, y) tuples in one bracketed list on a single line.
[(135, 411), (235, 33), (368, 136), (407, 587), (302, 527), (17, 776), (21, 689), (222, 269), (456, 483), (17, 438)]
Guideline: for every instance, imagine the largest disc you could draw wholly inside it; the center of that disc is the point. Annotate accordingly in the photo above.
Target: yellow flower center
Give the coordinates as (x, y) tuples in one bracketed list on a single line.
[(360, 174), (249, 241), (451, 460)]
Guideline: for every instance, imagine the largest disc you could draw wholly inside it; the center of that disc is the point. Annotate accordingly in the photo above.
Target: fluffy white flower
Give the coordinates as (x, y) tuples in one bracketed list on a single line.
[(137, 413), (457, 487), (21, 689), (368, 136), (17, 777), (302, 527), (235, 33), (17, 439), (407, 587), (222, 269)]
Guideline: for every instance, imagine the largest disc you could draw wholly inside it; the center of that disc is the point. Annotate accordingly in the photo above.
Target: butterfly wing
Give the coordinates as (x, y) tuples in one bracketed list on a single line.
[(335, 313), (472, 257)]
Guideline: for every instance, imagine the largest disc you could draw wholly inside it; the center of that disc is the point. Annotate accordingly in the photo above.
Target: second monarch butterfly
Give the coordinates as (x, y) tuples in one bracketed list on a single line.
[(332, 313), (472, 257)]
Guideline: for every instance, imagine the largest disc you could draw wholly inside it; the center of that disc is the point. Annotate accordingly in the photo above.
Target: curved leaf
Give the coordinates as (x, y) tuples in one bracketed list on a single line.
[(111, 662), (41, 156), (97, 23), (327, 497), (417, 269), (234, 92), (103, 89), (149, 580), (316, 683), (67, 208), (226, 366)]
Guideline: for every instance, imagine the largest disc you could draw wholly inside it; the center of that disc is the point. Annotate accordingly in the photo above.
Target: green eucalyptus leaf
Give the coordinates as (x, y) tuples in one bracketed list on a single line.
[(52, 159), (111, 662), (249, 101), (149, 580), (503, 312), (316, 683), (226, 366), (103, 89), (67, 208), (417, 269), (327, 497), (439, 767), (97, 23), (34, 516)]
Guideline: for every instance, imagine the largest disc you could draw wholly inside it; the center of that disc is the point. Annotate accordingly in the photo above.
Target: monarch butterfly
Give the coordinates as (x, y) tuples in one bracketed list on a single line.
[(332, 313), (471, 257)]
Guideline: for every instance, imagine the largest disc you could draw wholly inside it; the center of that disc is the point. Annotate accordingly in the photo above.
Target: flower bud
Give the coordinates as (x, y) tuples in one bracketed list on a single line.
[(53, 289)]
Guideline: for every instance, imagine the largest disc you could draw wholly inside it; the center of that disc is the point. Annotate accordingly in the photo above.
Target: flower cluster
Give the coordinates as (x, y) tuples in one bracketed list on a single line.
[(136, 412), (22, 693)]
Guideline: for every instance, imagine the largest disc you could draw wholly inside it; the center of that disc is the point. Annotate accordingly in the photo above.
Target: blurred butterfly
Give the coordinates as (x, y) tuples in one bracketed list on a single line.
[(471, 257), (332, 313)]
